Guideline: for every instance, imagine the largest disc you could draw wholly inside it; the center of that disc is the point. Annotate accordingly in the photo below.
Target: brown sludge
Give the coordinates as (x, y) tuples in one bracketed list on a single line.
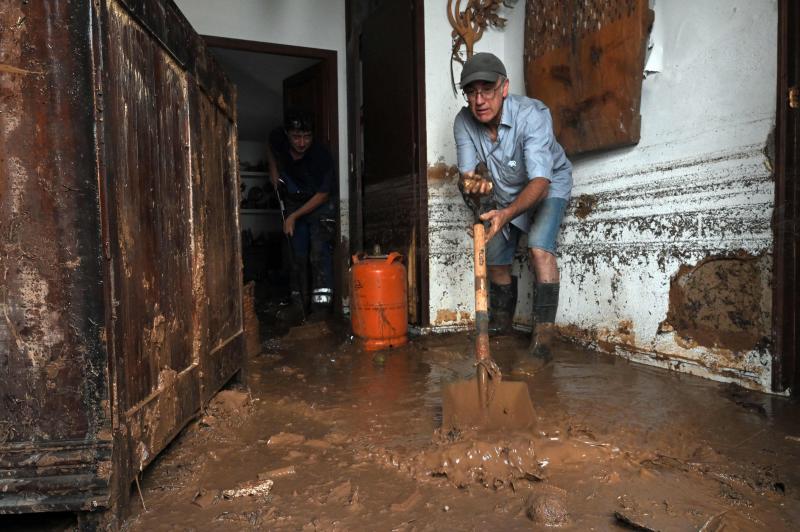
[(358, 446)]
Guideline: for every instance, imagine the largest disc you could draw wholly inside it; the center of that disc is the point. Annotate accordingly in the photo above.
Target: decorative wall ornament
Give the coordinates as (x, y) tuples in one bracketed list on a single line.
[(469, 25)]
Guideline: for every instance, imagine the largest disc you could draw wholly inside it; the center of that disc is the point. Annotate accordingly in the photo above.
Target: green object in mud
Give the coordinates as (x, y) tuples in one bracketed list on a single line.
[(379, 359)]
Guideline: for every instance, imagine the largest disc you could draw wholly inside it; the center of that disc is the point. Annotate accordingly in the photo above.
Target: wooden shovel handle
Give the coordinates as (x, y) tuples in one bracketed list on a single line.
[(481, 294)]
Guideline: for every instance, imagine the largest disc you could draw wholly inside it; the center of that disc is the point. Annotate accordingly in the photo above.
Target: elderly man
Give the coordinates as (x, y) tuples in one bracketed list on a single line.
[(531, 181)]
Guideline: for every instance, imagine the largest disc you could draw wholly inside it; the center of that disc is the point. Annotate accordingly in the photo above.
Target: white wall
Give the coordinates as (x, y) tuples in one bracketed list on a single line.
[(697, 185), (310, 23)]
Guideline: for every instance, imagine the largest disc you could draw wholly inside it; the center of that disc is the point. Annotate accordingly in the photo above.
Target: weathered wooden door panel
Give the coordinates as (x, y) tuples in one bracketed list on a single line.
[(102, 338), (218, 272), (146, 109), (54, 420), (786, 223)]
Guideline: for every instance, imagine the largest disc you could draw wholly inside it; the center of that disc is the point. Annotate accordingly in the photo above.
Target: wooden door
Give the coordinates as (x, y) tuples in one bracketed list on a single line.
[(55, 426), (217, 266), (149, 207), (391, 215), (786, 315), (170, 171), (119, 248), (308, 90)]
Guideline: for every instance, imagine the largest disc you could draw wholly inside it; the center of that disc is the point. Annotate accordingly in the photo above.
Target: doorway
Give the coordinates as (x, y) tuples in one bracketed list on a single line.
[(786, 222), (388, 147), (271, 78)]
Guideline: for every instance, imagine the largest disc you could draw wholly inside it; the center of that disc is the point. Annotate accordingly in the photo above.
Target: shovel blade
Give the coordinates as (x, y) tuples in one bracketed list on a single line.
[(509, 407)]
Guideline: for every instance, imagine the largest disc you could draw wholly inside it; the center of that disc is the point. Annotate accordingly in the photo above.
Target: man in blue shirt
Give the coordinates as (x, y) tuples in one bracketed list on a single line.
[(530, 182)]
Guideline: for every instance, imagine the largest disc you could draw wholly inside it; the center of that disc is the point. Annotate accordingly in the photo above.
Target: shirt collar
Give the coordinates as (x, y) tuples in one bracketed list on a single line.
[(505, 117)]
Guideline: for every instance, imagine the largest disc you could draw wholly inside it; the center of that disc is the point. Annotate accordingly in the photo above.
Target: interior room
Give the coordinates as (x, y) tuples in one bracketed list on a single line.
[(530, 264)]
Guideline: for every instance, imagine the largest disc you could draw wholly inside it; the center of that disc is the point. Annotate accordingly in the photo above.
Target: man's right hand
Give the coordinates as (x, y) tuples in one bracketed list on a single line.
[(497, 219)]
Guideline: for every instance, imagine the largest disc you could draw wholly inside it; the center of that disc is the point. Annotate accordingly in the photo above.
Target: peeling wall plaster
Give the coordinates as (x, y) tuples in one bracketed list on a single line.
[(696, 187)]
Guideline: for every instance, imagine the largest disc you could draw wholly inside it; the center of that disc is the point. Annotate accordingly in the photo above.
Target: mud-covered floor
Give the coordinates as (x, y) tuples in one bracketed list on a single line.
[(348, 440)]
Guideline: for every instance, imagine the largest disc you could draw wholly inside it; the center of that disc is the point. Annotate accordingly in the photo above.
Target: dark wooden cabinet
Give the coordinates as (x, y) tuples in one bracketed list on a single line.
[(120, 261)]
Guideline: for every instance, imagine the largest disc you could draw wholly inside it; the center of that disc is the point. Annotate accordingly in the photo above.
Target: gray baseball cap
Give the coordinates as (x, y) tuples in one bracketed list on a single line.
[(482, 67)]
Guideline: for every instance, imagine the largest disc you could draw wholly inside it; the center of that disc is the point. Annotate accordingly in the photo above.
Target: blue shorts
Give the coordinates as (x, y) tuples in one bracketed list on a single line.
[(546, 219)]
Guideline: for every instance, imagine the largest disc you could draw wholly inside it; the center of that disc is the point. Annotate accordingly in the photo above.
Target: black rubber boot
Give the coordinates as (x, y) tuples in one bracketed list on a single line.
[(545, 306), (502, 303), (295, 313)]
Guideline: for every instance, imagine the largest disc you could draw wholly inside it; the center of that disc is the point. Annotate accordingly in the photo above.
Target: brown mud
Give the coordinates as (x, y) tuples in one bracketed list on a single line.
[(328, 437)]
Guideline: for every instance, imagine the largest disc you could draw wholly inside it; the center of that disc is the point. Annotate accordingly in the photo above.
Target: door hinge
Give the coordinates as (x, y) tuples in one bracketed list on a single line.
[(794, 97)]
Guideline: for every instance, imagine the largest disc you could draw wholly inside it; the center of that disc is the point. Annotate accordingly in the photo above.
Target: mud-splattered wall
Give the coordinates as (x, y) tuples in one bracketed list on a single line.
[(666, 248)]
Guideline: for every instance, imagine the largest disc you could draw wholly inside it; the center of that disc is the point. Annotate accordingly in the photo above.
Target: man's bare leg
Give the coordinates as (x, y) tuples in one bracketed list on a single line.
[(544, 265)]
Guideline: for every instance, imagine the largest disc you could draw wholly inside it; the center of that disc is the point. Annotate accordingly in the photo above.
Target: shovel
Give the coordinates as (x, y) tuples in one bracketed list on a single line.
[(487, 401)]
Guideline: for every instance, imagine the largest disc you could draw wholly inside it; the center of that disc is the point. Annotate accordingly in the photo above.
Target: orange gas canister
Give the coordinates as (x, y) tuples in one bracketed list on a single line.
[(379, 302)]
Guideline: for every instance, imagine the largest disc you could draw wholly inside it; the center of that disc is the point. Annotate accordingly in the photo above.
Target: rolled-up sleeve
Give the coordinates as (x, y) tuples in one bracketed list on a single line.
[(537, 142), (465, 147)]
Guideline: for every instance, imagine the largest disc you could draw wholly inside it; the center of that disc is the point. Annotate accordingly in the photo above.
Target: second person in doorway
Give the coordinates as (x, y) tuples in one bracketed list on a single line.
[(307, 170)]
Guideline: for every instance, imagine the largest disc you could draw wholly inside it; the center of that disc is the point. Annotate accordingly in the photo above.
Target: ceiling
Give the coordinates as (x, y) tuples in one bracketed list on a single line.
[(259, 81)]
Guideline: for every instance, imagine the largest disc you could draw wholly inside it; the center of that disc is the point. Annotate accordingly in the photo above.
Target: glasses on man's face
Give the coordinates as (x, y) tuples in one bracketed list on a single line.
[(471, 93)]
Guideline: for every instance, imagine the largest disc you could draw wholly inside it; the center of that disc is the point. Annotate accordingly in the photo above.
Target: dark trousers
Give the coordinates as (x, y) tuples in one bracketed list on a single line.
[(312, 247)]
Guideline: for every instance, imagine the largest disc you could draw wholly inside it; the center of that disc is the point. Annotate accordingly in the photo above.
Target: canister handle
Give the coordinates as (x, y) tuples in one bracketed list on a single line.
[(393, 256), (390, 258)]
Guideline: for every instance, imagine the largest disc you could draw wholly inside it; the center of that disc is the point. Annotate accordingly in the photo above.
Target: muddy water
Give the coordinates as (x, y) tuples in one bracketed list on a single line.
[(329, 437)]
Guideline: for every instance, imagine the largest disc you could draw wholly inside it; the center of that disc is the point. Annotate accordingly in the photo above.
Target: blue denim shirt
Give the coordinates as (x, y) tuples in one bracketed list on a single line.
[(526, 148)]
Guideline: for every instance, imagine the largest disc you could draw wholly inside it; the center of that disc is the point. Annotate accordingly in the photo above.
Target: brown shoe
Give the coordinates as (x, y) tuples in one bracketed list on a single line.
[(542, 339)]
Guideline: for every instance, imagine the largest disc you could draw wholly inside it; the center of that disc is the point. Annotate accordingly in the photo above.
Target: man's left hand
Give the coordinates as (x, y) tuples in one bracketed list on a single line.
[(497, 219), (475, 185)]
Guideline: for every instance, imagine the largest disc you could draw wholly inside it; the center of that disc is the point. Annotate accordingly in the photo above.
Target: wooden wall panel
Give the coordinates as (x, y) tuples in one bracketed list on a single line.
[(585, 60)]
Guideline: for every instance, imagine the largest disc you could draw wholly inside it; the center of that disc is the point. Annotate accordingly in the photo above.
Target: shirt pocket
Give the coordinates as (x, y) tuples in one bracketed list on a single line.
[(513, 167)]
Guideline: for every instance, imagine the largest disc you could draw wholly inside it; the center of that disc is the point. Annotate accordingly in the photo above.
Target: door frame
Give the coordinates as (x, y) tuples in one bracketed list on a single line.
[(420, 166), (329, 61), (785, 315)]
